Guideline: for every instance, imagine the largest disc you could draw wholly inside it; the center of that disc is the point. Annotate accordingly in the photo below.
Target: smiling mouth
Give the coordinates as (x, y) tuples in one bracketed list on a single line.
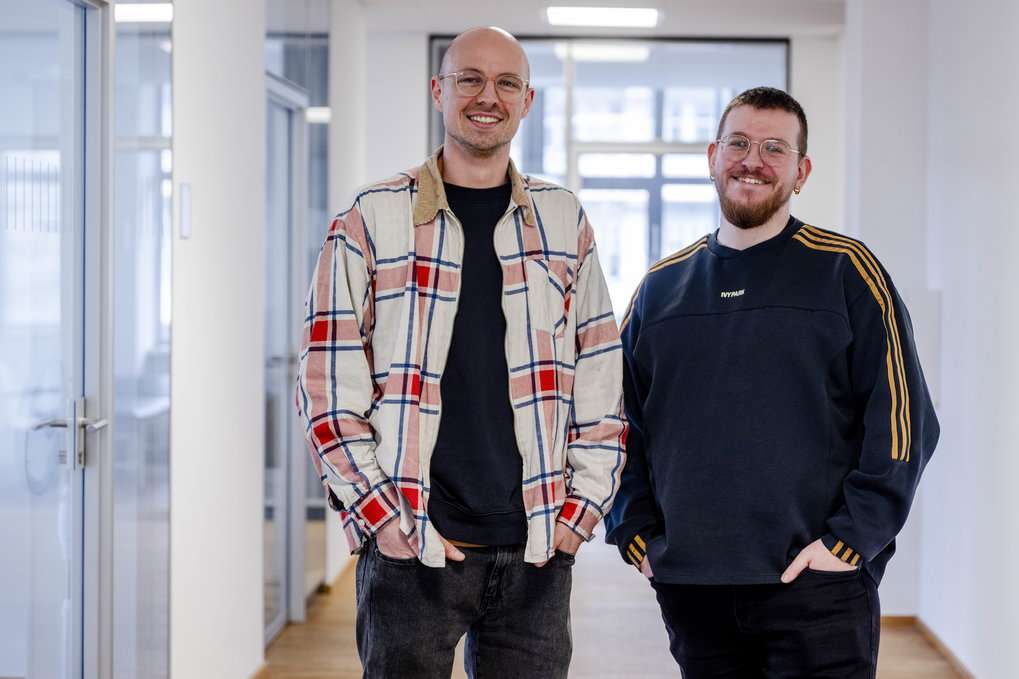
[(484, 120), (750, 180)]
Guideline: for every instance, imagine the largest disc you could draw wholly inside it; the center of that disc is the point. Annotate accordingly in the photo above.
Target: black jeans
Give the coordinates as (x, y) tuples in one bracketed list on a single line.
[(516, 615), (823, 624)]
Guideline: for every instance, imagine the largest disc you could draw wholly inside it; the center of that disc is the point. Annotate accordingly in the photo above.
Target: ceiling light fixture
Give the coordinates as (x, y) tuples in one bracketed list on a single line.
[(318, 114), (614, 17), (146, 13)]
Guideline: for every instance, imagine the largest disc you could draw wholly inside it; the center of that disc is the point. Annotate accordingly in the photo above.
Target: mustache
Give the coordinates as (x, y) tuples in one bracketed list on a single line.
[(749, 175)]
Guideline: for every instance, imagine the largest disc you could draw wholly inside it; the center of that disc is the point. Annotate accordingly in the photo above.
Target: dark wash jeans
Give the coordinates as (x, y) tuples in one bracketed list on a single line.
[(823, 624), (516, 615)]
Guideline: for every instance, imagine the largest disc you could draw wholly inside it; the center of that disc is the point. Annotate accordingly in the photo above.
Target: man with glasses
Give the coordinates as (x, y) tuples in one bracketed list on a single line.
[(461, 390), (779, 424)]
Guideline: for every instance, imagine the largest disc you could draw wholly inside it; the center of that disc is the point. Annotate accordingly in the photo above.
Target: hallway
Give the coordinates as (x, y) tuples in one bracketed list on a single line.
[(612, 610)]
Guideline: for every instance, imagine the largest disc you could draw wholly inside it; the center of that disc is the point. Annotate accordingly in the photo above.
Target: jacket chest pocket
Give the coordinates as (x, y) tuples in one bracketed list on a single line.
[(548, 295)]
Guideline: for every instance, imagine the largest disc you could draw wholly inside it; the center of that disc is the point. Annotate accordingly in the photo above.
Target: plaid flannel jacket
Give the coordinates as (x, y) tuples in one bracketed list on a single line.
[(379, 315)]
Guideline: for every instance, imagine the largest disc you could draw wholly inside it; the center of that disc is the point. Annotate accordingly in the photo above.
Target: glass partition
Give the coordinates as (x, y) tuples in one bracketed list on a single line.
[(142, 236), (44, 59)]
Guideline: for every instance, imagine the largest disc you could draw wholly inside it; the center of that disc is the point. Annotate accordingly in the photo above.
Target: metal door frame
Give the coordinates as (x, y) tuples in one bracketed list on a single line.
[(295, 99), (96, 548)]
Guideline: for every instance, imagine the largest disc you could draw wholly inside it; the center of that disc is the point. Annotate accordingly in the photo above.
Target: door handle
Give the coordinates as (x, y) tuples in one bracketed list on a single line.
[(87, 424), (60, 422)]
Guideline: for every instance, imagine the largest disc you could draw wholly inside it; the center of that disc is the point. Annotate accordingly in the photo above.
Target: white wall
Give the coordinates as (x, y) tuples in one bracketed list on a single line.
[(398, 76), (346, 168), (816, 80), (931, 100), (217, 430), (886, 101), (886, 198), (969, 593), (347, 83)]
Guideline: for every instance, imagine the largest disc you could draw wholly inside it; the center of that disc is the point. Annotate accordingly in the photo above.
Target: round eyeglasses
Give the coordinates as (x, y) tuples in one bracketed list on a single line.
[(736, 147), (470, 83)]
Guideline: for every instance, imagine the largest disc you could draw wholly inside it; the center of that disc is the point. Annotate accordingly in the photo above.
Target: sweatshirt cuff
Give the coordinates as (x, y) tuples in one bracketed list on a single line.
[(841, 550), (580, 516), (635, 551), (375, 508)]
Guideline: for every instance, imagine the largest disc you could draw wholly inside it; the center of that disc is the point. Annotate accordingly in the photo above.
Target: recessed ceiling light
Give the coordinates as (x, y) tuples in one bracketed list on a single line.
[(160, 12), (318, 114), (617, 17)]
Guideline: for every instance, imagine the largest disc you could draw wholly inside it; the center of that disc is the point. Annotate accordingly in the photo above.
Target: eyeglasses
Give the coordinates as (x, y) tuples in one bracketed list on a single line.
[(736, 147), (471, 83)]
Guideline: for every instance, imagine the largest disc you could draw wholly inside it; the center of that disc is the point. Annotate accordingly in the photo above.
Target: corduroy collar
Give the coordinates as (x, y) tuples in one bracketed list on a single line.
[(431, 195)]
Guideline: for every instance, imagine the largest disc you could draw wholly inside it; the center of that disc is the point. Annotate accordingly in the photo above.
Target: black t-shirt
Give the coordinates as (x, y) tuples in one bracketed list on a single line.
[(476, 470)]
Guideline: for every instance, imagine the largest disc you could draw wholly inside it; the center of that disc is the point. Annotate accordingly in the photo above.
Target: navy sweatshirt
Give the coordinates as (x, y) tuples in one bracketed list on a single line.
[(774, 397)]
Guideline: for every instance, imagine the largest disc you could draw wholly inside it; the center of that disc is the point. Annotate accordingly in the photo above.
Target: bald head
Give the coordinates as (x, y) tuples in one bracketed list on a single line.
[(481, 123), (481, 40)]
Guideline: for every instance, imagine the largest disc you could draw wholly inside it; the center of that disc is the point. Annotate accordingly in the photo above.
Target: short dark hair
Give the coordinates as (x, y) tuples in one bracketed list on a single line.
[(769, 98)]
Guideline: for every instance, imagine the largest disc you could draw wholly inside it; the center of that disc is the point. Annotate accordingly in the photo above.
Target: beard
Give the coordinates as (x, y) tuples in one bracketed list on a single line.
[(476, 150), (748, 216), (479, 145)]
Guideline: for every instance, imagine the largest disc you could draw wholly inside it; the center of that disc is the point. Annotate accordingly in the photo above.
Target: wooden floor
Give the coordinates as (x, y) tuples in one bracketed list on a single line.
[(613, 609)]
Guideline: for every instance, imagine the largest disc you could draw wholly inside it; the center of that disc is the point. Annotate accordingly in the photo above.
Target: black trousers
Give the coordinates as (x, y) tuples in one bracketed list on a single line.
[(823, 624)]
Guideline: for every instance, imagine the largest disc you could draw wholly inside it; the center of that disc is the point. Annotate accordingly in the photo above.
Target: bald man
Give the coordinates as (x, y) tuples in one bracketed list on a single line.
[(460, 389)]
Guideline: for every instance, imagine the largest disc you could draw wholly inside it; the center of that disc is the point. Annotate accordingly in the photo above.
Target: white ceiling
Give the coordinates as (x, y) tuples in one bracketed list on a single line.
[(729, 18), (680, 18)]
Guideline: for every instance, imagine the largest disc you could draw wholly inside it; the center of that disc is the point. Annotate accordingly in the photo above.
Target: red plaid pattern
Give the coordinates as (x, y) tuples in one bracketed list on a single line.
[(379, 313)]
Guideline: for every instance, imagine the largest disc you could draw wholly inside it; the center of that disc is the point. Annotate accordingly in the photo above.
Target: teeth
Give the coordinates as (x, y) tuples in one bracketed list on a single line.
[(484, 119), (749, 180)]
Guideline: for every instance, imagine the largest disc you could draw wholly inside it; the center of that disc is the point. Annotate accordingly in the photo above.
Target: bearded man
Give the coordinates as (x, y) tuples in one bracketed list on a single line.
[(779, 424)]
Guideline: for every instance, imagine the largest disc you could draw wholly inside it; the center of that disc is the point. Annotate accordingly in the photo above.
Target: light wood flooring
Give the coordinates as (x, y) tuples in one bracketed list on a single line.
[(613, 609)]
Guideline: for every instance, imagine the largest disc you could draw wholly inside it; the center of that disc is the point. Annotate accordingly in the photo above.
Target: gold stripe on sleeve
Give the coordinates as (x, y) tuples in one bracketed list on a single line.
[(674, 258), (870, 272)]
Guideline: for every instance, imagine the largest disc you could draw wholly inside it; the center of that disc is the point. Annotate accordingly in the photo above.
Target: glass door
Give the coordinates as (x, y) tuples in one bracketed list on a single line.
[(43, 425), (285, 456)]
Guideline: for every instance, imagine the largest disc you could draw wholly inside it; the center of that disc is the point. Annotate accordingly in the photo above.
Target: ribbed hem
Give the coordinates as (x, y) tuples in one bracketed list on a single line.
[(492, 529), (841, 550), (636, 551)]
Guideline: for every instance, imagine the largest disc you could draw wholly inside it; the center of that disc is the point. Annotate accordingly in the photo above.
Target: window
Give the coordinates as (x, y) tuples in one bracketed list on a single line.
[(626, 125)]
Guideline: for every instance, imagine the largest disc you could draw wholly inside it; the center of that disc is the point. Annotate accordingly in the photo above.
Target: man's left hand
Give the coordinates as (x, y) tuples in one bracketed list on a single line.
[(814, 556), (564, 540)]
